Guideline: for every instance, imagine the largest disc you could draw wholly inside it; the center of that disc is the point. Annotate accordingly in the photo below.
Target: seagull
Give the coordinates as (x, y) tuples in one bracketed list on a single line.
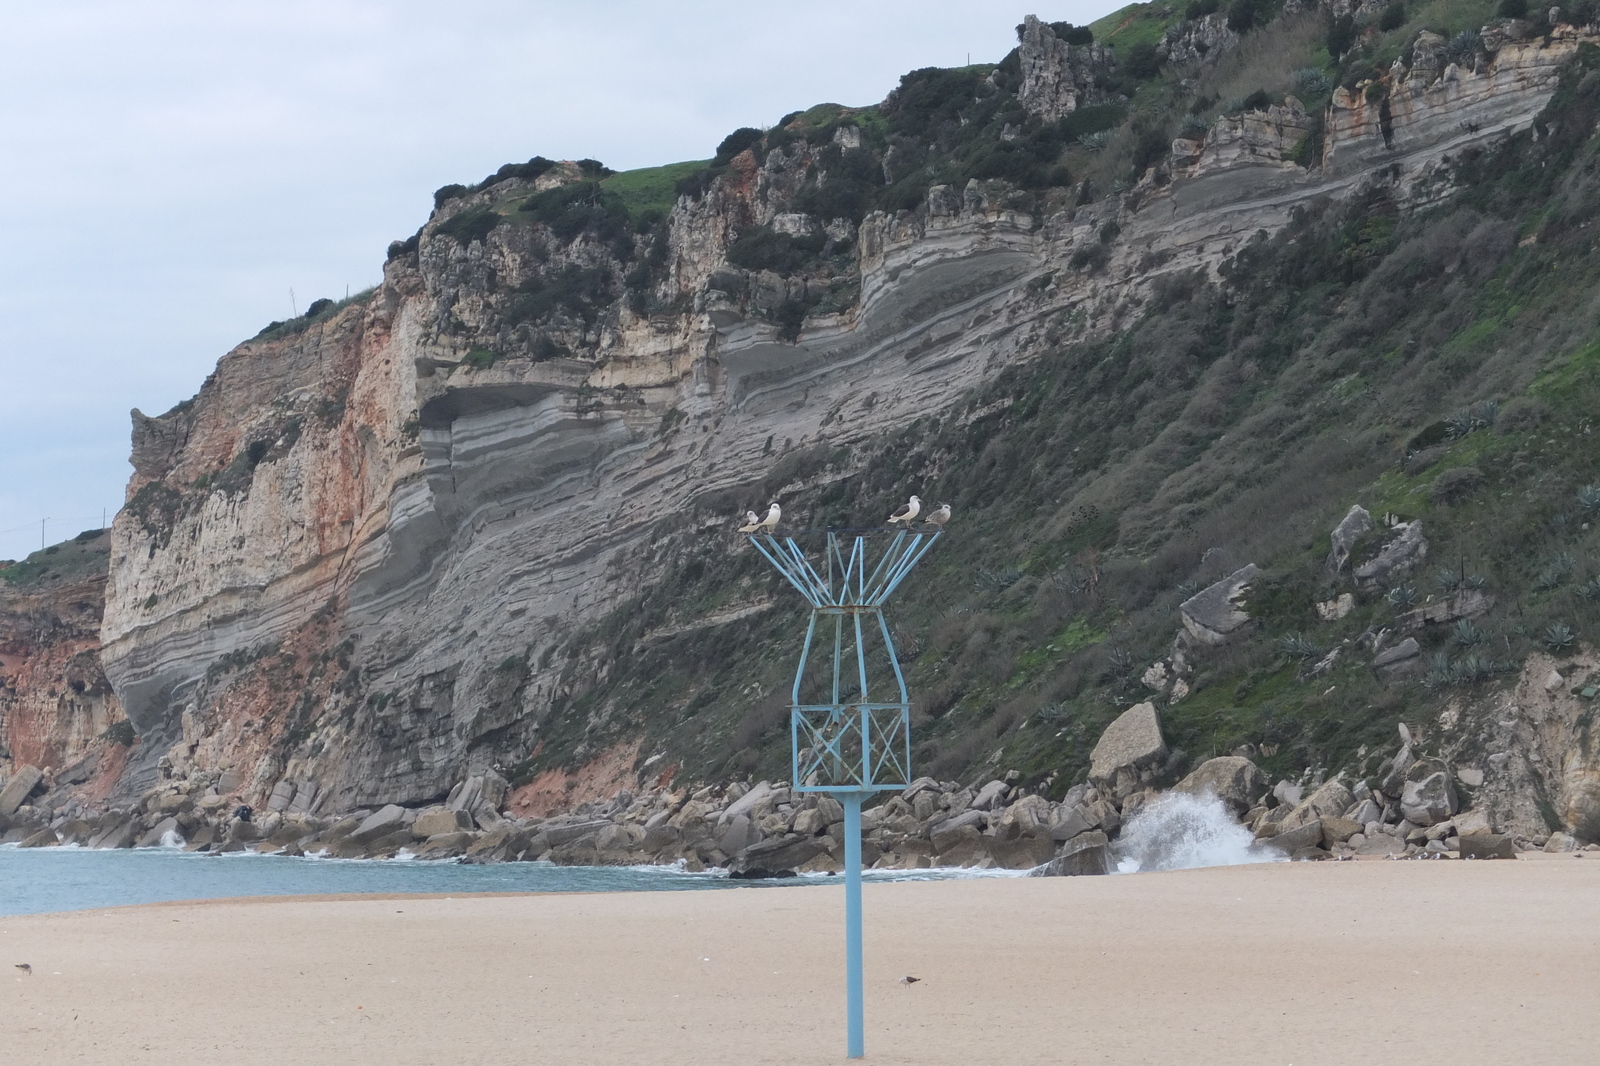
[(25, 968), (909, 980), (751, 522), (769, 523), (939, 517), (907, 513)]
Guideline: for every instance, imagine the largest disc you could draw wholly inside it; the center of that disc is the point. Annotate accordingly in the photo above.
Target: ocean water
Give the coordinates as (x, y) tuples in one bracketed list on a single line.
[(41, 880)]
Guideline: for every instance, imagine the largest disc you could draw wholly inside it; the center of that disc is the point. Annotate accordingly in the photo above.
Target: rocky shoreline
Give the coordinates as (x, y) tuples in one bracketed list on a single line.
[(1410, 808)]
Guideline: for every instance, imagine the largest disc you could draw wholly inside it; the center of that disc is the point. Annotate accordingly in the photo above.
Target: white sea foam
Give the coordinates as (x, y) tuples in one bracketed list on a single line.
[(1182, 832), (172, 839)]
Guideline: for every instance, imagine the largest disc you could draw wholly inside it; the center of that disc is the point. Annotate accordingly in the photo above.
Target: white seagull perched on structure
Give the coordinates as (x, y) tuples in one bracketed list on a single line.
[(774, 513), (752, 522), (908, 512), (939, 517)]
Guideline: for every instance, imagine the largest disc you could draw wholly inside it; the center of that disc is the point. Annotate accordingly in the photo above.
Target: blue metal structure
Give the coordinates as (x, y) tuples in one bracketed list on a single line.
[(849, 745)]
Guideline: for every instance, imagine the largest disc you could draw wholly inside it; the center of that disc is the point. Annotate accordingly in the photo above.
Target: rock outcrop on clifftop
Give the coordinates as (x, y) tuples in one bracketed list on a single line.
[(1146, 316)]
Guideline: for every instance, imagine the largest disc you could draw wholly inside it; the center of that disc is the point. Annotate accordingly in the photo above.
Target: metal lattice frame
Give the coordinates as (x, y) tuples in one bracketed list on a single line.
[(861, 745)]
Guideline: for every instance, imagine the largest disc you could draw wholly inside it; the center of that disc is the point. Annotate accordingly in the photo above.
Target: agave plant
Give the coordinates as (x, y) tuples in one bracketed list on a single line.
[(1559, 637), (1555, 572), (1098, 140), (1194, 126), (1446, 579), (1463, 47), (1439, 672), (1589, 500), (1466, 634), (1590, 590), (1312, 81), (1475, 581), (1404, 596), (1297, 647)]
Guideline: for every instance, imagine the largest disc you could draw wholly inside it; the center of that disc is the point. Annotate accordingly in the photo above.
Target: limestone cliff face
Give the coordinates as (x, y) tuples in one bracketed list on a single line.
[(350, 560), (56, 706)]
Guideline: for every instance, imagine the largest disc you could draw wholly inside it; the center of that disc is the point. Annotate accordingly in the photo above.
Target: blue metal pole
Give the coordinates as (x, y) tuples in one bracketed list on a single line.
[(855, 1011)]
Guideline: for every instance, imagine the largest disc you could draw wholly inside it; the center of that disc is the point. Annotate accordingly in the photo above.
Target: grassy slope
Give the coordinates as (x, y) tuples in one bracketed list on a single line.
[(651, 188), (1111, 479)]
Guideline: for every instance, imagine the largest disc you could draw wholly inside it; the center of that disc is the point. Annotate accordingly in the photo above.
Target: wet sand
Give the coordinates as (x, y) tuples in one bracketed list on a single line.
[(1307, 963)]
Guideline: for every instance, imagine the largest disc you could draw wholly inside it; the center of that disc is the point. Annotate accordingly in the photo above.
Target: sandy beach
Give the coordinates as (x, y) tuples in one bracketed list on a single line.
[(1399, 962)]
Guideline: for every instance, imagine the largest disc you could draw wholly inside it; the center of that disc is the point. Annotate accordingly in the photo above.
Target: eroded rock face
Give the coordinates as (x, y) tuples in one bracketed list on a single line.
[(55, 702), (1057, 77), (329, 555)]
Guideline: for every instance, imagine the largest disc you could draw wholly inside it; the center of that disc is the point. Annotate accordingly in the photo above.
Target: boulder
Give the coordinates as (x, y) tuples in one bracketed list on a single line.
[(446, 845), (832, 810), (573, 831), (44, 838), (1022, 852), (1337, 830), (156, 832), (739, 833), (1131, 742), (1364, 811), (1234, 780), (966, 848), (1356, 524), (380, 823), (17, 788), (1488, 846), (1381, 844), (1469, 603), (1088, 853), (1288, 793), (282, 795), (1072, 823), (947, 832), (1403, 552), (779, 857), (1291, 841), (989, 796), (439, 820), (1559, 843), (1471, 822), (747, 802), (1330, 800), (1404, 657), (1216, 612), (1429, 800), (808, 823)]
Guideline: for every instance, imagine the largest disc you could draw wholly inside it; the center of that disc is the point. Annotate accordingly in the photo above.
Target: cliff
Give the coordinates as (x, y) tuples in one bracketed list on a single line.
[(478, 516), (57, 711)]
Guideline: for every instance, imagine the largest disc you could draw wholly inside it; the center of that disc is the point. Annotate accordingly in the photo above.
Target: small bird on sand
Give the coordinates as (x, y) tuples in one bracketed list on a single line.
[(25, 968), (939, 517), (909, 980), (908, 512), (774, 513), (752, 522)]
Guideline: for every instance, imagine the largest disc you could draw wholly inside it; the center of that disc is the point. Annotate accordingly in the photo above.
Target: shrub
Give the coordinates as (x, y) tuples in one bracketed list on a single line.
[(446, 193), (1393, 17), (474, 224), (316, 307), (1066, 31), (736, 142), (1143, 62), (581, 291), (405, 247), (782, 253), (481, 358), (1512, 9), (1199, 9), (1341, 36), (1456, 483), (583, 208), (1259, 100)]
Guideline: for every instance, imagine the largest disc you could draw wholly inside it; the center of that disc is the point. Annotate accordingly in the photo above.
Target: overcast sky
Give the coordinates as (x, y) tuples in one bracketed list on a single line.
[(170, 170)]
